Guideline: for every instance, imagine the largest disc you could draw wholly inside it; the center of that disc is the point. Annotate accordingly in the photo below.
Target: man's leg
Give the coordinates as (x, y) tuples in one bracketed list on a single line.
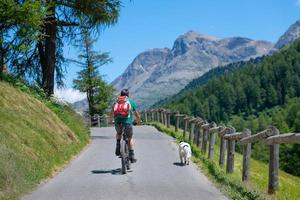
[(131, 142), (118, 128), (129, 132)]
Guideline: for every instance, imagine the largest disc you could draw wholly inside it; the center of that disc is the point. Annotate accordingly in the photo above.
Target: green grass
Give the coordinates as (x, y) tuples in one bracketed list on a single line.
[(231, 184), (37, 137)]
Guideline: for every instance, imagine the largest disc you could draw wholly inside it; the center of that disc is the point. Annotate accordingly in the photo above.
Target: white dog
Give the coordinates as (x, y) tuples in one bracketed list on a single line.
[(185, 152)]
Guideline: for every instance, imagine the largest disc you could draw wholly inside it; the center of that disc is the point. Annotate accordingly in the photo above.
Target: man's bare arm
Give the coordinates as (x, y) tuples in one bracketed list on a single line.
[(110, 118), (137, 117)]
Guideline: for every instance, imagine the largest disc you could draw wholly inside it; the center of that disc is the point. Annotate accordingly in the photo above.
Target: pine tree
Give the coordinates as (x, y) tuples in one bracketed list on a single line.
[(89, 79)]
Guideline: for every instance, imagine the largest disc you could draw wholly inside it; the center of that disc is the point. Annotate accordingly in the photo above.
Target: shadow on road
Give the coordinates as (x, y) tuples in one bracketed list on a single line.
[(178, 164), (109, 171), (94, 137)]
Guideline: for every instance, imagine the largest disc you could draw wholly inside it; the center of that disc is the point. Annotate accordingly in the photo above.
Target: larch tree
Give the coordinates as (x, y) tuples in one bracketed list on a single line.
[(63, 21), (60, 23), (89, 80), (20, 23)]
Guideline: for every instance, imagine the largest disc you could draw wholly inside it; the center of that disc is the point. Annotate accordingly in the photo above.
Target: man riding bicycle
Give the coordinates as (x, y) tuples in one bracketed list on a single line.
[(124, 111)]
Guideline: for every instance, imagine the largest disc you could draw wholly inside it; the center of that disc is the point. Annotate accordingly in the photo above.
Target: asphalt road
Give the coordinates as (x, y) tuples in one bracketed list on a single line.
[(95, 174)]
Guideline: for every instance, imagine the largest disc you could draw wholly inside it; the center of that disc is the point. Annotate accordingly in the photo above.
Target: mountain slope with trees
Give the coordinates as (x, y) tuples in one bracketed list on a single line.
[(287, 38), (247, 91), (213, 73)]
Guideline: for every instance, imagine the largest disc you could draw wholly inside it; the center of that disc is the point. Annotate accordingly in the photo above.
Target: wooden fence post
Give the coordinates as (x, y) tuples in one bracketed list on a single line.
[(165, 117), (223, 144), (196, 132), (98, 121), (191, 135), (273, 164), (185, 127), (212, 141), (246, 157), (205, 128), (231, 136), (168, 119), (149, 115), (107, 120), (230, 153), (273, 154), (199, 139), (192, 130), (177, 121), (152, 116), (199, 123), (160, 116), (146, 116)]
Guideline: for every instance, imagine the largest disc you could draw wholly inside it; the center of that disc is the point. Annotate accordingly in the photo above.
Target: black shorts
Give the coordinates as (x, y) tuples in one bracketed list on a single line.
[(127, 128)]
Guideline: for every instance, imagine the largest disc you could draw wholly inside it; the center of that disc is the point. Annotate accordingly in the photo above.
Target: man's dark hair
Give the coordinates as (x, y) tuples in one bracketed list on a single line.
[(125, 92)]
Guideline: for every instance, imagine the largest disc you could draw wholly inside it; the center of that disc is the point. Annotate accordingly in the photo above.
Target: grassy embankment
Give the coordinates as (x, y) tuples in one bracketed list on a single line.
[(37, 137), (231, 184)]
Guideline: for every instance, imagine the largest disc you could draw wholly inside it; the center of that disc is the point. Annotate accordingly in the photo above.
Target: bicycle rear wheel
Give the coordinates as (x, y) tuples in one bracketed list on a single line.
[(123, 157), (127, 157)]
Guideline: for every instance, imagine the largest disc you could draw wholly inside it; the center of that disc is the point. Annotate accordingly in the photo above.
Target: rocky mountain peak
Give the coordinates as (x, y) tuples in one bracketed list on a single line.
[(289, 36), (194, 36), (141, 68), (191, 40)]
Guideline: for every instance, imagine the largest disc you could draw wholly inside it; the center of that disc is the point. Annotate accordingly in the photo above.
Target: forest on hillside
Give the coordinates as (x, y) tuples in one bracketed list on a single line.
[(203, 79), (262, 93)]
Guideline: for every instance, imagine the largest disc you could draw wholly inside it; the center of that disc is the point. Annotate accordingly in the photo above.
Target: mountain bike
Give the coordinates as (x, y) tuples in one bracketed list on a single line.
[(125, 161)]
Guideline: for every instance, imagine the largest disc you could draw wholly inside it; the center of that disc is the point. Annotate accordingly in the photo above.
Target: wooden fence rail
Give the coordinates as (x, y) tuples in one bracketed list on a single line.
[(201, 132), (99, 120)]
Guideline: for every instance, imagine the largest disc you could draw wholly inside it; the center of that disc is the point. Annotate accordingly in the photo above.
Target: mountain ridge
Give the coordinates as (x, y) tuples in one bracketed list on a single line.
[(182, 60), (192, 55)]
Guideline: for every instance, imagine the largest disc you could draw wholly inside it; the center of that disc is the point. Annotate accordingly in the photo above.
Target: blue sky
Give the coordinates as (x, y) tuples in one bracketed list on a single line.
[(157, 23)]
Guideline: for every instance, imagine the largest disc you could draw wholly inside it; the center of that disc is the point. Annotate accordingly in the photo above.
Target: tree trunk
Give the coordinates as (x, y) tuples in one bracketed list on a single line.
[(47, 50), (90, 98), (1, 55), (1, 61)]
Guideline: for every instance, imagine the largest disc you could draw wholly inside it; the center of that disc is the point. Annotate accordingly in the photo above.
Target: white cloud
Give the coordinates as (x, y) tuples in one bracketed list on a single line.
[(298, 2), (69, 94)]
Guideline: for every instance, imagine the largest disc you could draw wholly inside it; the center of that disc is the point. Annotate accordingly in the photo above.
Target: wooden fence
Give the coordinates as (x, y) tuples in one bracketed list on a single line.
[(202, 133), (99, 121)]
